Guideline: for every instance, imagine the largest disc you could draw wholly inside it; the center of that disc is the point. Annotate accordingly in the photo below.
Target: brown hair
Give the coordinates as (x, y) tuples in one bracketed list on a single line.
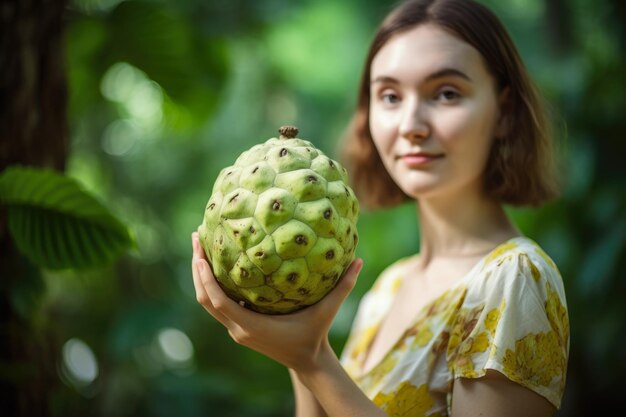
[(520, 169)]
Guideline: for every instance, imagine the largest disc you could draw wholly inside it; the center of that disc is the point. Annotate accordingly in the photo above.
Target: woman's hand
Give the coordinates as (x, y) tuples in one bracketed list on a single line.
[(294, 340), (298, 341)]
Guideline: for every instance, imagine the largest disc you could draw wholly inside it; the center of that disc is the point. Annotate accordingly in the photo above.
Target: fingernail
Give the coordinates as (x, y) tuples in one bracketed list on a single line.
[(360, 264)]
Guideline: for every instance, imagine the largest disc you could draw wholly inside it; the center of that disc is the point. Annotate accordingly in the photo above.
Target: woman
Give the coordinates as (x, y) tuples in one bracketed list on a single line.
[(475, 323)]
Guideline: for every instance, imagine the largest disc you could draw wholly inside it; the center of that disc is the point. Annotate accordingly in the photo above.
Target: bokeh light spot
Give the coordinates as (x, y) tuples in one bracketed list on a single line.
[(175, 345), (80, 362)]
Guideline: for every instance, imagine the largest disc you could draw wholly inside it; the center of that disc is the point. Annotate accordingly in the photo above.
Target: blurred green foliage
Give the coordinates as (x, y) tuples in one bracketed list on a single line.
[(56, 224), (163, 94)]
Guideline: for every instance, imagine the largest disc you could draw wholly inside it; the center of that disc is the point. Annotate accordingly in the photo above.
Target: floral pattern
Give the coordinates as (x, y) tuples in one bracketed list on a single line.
[(508, 314), (406, 401)]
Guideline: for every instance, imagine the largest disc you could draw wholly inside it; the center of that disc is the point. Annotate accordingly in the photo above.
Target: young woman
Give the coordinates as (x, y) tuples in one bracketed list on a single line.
[(476, 323)]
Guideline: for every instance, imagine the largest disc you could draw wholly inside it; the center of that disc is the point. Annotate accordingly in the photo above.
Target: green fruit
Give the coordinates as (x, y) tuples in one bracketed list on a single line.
[(280, 227)]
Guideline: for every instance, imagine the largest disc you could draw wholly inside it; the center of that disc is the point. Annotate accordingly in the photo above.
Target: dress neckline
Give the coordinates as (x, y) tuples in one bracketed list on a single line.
[(362, 372)]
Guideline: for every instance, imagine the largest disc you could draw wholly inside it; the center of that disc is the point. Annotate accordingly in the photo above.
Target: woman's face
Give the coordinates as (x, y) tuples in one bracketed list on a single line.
[(433, 112)]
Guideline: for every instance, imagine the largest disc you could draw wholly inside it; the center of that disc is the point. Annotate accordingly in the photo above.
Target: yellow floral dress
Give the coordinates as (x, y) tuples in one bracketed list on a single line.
[(508, 314)]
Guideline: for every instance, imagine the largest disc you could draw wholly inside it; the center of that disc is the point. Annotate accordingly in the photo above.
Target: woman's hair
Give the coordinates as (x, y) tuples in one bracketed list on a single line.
[(520, 168)]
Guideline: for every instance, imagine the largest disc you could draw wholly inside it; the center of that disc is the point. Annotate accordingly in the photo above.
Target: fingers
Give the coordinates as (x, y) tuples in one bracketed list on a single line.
[(210, 295), (203, 298), (197, 248), (220, 302), (201, 295)]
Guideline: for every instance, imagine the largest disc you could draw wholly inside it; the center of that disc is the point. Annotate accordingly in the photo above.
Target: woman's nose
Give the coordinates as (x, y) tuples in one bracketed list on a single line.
[(414, 124)]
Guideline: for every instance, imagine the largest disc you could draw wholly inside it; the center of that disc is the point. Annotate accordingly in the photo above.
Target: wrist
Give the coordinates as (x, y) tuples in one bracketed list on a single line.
[(324, 360)]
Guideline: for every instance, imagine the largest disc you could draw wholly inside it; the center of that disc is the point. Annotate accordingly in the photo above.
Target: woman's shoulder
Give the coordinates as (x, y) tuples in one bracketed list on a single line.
[(378, 299), (520, 261), (391, 277), (518, 251), (516, 313)]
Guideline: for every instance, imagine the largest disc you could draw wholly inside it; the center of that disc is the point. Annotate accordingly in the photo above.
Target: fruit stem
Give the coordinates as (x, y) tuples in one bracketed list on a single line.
[(288, 132)]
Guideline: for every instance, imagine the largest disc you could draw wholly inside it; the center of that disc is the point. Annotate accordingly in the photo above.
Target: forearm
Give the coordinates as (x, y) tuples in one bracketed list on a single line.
[(306, 403), (334, 390)]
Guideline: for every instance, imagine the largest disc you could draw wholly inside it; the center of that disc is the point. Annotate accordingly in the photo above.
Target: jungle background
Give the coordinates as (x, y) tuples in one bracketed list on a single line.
[(143, 102)]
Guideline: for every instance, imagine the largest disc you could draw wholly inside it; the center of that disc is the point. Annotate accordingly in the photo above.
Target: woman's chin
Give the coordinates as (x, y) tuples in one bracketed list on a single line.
[(422, 189)]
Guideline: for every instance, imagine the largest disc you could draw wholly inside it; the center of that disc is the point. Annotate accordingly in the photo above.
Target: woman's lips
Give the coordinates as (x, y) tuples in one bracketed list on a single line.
[(419, 159)]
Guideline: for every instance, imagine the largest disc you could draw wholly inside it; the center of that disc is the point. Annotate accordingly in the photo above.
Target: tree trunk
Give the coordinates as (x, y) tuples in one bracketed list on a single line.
[(33, 131)]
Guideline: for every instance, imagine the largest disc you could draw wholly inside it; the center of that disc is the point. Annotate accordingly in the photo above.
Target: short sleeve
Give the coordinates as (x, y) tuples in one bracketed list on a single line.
[(514, 320)]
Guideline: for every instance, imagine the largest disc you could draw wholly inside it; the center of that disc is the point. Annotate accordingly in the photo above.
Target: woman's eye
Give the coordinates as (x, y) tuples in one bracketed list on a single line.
[(448, 95), (389, 98)]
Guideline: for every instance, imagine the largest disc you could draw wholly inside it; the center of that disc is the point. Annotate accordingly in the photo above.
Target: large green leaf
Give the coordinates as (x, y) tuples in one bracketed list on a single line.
[(58, 225)]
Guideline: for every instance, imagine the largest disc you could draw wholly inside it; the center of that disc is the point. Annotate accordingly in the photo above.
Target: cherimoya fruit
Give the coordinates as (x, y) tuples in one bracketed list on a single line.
[(280, 227)]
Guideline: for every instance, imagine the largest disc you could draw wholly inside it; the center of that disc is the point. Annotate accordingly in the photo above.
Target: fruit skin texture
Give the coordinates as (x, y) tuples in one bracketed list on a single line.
[(280, 227)]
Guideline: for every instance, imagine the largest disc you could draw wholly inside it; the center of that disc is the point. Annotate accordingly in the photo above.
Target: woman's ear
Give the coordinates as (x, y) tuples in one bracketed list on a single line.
[(503, 126)]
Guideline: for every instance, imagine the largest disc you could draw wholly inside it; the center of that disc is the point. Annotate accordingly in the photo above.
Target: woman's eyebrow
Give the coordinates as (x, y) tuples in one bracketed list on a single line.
[(384, 79), (447, 72), (444, 72)]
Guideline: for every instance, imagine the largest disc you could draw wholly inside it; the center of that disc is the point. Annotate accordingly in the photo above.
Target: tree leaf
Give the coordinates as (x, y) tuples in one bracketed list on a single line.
[(58, 225)]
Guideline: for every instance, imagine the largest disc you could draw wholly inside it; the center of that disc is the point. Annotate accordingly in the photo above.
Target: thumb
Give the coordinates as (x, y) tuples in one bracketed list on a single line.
[(332, 302)]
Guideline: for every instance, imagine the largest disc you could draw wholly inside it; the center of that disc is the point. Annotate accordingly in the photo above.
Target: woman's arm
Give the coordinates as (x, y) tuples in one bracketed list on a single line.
[(334, 389), (306, 403), (298, 341), (494, 395)]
